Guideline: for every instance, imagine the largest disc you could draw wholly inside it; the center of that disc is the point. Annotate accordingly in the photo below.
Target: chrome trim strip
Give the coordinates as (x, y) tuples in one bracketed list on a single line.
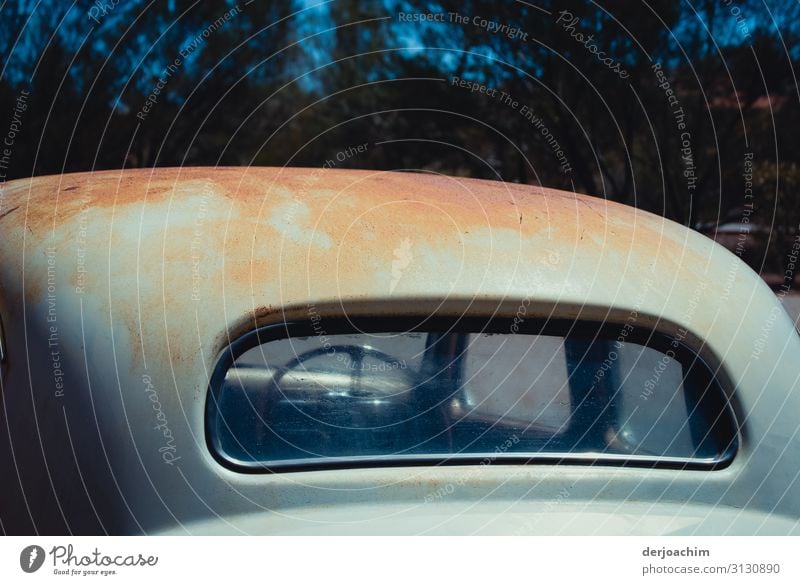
[(448, 459)]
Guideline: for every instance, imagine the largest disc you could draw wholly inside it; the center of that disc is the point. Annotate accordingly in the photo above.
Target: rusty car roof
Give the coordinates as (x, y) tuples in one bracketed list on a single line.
[(264, 240)]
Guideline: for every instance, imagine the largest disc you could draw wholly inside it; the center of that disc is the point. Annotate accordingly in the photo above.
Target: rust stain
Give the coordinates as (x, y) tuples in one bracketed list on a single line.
[(255, 242)]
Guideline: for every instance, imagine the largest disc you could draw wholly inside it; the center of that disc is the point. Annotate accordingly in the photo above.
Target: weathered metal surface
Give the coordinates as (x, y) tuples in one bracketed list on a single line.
[(119, 289)]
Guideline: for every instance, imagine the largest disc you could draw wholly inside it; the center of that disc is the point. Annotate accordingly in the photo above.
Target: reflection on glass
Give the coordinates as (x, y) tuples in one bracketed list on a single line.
[(453, 394)]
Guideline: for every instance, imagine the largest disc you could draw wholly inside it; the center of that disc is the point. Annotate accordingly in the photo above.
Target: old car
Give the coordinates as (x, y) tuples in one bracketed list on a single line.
[(323, 351)]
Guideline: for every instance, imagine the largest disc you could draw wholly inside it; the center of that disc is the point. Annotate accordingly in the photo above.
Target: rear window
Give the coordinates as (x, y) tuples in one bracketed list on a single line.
[(300, 396)]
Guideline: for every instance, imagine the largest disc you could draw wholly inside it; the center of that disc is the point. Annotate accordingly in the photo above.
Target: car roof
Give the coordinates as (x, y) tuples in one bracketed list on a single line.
[(150, 274), (273, 240)]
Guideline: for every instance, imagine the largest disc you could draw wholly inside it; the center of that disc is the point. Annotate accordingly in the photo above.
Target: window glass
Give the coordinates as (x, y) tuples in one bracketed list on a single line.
[(447, 395)]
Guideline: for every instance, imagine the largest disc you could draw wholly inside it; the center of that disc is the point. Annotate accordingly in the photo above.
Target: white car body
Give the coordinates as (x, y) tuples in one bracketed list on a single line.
[(119, 290)]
